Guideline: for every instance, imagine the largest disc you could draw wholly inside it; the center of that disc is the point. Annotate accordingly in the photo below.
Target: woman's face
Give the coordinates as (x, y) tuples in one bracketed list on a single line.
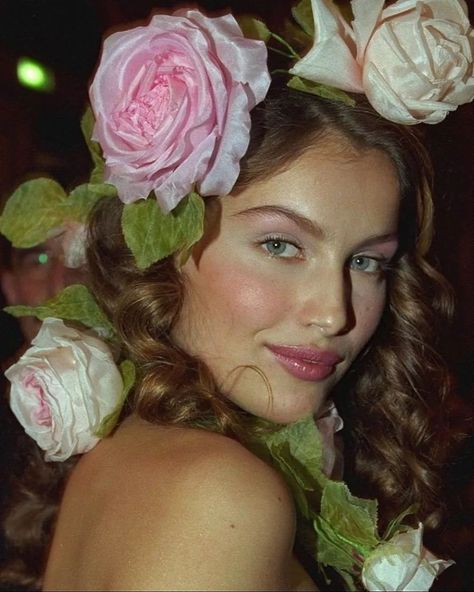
[(288, 283)]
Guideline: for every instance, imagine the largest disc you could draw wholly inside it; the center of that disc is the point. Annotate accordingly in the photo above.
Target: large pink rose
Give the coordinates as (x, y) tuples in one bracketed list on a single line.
[(413, 59), (172, 102)]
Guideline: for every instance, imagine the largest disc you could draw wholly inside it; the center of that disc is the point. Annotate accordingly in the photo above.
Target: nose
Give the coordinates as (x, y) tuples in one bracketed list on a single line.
[(326, 302)]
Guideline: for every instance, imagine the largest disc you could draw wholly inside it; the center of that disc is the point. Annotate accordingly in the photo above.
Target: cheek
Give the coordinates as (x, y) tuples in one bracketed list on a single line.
[(29, 290), (368, 312), (239, 296), (232, 301)]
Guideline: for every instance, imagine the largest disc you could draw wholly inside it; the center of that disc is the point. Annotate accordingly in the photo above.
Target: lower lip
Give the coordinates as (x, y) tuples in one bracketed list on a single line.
[(304, 370)]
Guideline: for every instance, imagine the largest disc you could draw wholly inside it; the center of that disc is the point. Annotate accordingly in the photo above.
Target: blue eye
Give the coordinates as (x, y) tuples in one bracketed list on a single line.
[(367, 264), (280, 248)]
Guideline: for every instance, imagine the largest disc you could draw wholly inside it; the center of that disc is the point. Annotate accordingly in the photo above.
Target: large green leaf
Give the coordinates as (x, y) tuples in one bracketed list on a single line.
[(87, 127), (331, 549), (83, 198), (353, 518), (152, 235), (33, 210), (296, 449), (300, 443), (74, 303)]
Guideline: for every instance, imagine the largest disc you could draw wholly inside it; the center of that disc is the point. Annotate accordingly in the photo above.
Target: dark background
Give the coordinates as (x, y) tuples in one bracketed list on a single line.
[(39, 133)]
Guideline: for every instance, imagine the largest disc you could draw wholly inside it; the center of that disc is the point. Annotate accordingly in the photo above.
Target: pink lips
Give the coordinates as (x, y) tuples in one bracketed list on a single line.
[(306, 363)]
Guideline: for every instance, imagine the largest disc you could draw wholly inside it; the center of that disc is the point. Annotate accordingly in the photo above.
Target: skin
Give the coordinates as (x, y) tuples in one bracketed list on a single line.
[(163, 508), (330, 208)]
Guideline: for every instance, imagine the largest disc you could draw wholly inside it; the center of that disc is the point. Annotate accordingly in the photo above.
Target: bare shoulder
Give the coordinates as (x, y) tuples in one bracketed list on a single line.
[(184, 509)]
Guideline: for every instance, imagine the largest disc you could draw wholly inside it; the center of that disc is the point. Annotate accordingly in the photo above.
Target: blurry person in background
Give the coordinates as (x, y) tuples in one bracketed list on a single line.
[(31, 276)]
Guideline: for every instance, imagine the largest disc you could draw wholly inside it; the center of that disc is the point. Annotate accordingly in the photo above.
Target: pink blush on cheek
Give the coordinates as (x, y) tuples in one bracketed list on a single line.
[(251, 300)]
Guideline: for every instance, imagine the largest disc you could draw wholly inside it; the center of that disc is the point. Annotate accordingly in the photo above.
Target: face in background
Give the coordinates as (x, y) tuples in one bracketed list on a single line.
[(290, 279), (33, 276)]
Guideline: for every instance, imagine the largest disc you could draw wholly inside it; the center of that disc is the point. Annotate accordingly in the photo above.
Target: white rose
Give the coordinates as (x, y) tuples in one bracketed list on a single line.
[(74, 244), (418, 64), (402, 563), (62, 389), (413, 59)]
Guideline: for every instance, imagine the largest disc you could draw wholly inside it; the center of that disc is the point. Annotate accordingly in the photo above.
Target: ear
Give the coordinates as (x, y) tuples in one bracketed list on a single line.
[(8, 283)]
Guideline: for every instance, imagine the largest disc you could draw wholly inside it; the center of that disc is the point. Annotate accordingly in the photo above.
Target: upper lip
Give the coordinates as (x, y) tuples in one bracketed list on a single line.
[(305, 353)]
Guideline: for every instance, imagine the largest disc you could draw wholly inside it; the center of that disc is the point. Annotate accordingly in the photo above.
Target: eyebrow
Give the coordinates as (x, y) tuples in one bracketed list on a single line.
[(305, 223), (311, 226)]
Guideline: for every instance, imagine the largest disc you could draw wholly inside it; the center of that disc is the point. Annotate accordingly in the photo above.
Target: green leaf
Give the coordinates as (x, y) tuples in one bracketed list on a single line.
[(83, 198), (74, 303), (34, 209), (128, 372), (87, 127), (346, 530), (332, 550), (296, 450), (352, 518), (322, 90), (303, 15), (253, 28), (152, 235)]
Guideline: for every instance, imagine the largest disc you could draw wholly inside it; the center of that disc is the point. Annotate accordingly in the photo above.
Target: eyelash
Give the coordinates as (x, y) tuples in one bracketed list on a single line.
[(284, 241), (383, 265)]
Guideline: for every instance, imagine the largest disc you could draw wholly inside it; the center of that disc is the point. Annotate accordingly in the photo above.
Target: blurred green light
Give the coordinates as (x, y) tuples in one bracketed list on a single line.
[(43, 258), (34, 75)]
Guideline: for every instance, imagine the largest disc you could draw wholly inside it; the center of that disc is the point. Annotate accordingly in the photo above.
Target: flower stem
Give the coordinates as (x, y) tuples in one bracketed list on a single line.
[(293, 53)]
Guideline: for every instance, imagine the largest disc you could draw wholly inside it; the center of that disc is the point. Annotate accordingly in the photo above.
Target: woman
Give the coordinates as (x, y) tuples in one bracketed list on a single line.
[(308, 286)]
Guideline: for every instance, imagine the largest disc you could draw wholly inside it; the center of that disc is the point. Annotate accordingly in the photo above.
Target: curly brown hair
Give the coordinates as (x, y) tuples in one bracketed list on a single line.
[(391, 400)]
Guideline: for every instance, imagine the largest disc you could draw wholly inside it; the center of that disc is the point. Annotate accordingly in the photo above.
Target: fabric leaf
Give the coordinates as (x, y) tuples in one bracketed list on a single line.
[(332, 550), (353, 518), (152, 235), (33, 210), (87, 127), (322, 90), (83, 198), (296, 449), (74, 303), (253, 28)]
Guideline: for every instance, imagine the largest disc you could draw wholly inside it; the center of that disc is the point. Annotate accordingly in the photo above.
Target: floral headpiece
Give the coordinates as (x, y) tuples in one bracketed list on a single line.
[(169, 124)]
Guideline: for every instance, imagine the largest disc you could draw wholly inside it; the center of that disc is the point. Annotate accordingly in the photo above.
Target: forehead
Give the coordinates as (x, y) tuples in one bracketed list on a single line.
[(332, 182)]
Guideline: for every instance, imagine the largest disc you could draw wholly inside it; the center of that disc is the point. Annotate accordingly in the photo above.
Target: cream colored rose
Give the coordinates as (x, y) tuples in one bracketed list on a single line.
[(402, 563), (62, 388), (418, 65), (413, 59)]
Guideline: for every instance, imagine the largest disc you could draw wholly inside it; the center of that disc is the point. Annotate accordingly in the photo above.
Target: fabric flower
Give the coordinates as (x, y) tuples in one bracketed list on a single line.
[(73, 243), (329, 422), (62, 389), (402, 563), (172, 102), (413, 59), (72, 237)]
